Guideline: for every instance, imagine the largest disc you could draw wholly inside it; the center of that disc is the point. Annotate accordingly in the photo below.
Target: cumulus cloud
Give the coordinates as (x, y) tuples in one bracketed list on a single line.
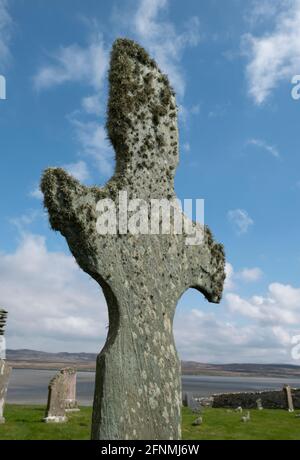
[(52, 304), (274, 56), (221, 338), (240, 220), (281, 305), (248, 275), (255, 329)]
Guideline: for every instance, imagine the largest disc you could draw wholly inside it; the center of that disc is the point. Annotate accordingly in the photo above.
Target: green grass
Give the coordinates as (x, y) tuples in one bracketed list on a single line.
[(26, 422)]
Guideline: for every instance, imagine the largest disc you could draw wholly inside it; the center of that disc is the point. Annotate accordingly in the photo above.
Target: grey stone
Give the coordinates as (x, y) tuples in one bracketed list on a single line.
[(5, 371), (289, 398), (191, 402), (61, 396), (246, 418), (138, 385), (198, 421), (71, 404), (259, 404)]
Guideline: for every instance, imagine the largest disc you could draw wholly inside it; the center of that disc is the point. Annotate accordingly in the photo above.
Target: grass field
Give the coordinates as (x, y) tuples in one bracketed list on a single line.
[(26, 422)]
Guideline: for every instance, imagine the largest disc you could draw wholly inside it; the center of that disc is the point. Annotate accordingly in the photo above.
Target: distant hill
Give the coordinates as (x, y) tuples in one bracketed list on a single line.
[(33, 359)]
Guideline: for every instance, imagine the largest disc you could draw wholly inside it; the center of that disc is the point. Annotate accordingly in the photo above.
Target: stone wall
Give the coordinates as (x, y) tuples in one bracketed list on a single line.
[(269, 399)]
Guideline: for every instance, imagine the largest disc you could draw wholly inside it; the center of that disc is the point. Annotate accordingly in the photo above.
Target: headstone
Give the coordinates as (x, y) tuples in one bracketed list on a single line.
[(70, 397), (5, 369), (191, 402), (138, 383), (246, 418), (289, 398), (259, 404), (61, 396)]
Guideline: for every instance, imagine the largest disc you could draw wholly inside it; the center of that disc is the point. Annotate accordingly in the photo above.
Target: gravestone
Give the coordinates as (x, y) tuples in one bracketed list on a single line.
[(138, 384), (70, 396), (289, 398), (5, 369), (61, 396), (191, 402), (259, 404)]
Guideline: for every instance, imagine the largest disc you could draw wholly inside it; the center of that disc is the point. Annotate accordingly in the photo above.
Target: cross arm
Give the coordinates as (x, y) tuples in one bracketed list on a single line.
[(206, 267)]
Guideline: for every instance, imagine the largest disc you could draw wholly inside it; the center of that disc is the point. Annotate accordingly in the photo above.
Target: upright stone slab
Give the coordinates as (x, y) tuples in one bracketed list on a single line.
[(70, 396), (58, 393), (288, 391), (5, 369), (138, 385)]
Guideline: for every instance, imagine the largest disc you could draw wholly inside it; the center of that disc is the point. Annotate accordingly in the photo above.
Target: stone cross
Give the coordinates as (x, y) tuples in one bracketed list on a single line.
[(138, 384), (5, 369), (61, 396)]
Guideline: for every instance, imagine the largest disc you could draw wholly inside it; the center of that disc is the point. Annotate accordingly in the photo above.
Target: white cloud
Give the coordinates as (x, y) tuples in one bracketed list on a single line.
[(240, 220), (92, 104), (229, 271), (250, 274), (221, 338), (52, 304), (275, 56), (74, 63), (264, 146), (79, 170), (5, 31), (36, 193), (87, 65), (93, 142), (281, 305), (162, 39)]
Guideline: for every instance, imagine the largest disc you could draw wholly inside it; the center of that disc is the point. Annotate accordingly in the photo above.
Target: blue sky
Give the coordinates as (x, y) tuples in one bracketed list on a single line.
[(231, 63)]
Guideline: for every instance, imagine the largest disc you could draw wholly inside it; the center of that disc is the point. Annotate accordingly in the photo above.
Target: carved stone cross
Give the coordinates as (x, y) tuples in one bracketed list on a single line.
[(138, 384)]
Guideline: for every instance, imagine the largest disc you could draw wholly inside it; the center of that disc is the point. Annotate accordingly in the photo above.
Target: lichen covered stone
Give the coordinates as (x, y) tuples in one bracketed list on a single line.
[(138, 384)]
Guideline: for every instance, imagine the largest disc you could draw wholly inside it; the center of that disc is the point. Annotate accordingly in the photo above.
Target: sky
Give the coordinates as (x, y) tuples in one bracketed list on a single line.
[(231, 63)]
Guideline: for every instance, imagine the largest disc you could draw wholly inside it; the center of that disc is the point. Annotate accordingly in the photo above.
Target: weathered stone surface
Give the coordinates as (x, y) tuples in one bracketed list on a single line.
[(198, 421), (191, 402), (259, 404), (5, 371), (70, 397), (61, 395), (289, 398), (138, 387)]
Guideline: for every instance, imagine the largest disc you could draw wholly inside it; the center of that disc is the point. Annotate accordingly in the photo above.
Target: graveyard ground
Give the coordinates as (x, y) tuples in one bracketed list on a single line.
[(25, 422)]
